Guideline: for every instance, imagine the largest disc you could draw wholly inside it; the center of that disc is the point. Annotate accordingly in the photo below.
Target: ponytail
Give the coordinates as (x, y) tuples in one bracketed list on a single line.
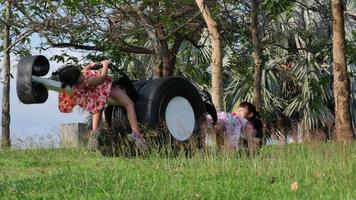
[(255, 120)]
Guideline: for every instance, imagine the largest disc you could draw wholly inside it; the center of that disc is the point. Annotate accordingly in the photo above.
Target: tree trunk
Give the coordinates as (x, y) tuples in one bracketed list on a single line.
[(343, 126), (164, 51), (216, 56), (153, 35), (5, 123), (174, 51), (257, 56), (166, 66)]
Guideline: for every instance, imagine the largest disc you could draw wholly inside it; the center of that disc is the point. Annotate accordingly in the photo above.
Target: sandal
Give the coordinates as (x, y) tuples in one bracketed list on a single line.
[(136, 138)]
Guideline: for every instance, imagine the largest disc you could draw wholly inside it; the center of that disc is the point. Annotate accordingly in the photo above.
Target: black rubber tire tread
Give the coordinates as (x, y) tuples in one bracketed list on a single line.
[(27, 91), (152, 103), (40, 66), (140, 84), (209, 105), (119, 121), (40, 92), (155, 96)]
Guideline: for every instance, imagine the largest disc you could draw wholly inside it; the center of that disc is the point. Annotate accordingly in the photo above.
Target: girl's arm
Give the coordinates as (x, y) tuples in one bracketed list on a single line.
[(94, 81), (89, 66)]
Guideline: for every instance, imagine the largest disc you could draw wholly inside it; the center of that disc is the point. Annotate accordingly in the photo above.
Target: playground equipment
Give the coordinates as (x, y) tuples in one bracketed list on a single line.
[(173, 103)]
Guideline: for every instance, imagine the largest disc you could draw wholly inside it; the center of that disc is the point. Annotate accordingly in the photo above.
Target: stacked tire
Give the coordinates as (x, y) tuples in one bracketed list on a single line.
[(171, 107), (28, 91)]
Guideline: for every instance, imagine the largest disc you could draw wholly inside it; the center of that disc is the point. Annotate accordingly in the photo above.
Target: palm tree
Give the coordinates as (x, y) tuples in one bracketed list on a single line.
[(296, 88)]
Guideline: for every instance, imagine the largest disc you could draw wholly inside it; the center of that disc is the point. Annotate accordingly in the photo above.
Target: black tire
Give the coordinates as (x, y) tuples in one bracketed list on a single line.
[(116, 116), (154, 98), (151, 105), (28, 91), (119, 121), (40, 92), (139, 84), (40, 66), (209, 105)]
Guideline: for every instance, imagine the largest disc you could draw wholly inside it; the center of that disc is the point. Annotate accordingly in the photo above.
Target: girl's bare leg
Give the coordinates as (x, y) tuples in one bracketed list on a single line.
[(93, 143), (121, 97), (96, 119)]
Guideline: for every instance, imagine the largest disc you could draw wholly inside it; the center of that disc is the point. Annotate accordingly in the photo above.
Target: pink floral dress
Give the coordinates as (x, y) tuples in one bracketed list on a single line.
[(234, 126), (91, 99)]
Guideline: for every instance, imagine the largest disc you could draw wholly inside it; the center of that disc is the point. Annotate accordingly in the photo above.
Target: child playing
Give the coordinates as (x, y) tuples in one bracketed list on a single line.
[(252, 136), (244, 123), (91, 88)]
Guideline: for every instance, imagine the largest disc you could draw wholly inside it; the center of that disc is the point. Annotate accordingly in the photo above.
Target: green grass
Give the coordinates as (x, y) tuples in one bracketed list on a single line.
[(322, 171)]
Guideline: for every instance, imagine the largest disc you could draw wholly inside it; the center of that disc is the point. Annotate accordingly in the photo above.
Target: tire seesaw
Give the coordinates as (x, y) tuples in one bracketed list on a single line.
[(171, 106), (31, 88)]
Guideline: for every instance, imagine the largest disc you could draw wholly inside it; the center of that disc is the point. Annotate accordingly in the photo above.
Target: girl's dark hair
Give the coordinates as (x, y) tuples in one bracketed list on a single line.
[(68, 75), (255, 120)]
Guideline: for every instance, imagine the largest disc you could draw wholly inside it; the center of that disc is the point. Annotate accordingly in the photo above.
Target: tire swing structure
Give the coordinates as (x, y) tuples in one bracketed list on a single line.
[(31, 68), (169, 110)]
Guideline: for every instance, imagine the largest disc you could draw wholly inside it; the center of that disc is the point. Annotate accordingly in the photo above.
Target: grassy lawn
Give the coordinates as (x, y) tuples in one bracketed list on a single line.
[(308, 171)]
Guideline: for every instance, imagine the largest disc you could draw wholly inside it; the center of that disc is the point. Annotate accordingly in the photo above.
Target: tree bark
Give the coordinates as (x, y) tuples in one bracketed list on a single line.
[(257, 56), (166, 66), (5, 123), (156, 43), (343, 125), (216, 55), (174, 51)]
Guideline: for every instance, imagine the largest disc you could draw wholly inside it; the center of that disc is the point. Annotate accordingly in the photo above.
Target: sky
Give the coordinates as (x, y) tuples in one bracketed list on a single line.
[(39, 124)]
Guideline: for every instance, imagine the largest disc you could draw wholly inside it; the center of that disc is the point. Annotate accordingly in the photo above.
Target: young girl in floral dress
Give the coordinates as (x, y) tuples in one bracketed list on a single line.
[(244, 124), (91, 88)]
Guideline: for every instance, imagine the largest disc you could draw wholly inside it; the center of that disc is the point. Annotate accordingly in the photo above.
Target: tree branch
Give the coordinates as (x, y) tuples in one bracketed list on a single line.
[(136, 49), (192, 41), (76, 46), (128, 49), (352, 14), (182, 12), (174, 51), (23, 36), (187, 22)]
